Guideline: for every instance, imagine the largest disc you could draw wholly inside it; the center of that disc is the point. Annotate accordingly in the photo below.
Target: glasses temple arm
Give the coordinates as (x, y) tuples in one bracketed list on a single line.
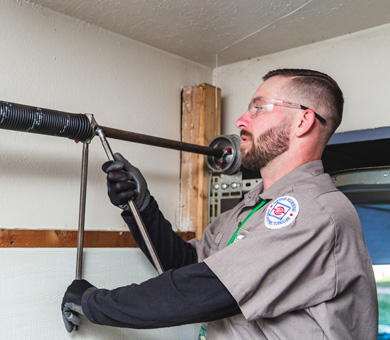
[(321, 119)]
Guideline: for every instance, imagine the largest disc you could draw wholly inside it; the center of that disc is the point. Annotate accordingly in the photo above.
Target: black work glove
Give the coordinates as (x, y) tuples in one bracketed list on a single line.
[(71, 303), (125, 182)]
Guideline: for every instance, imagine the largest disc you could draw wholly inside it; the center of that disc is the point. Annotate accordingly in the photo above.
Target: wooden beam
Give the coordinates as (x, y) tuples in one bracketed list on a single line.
[(28, 238), (201, 122)]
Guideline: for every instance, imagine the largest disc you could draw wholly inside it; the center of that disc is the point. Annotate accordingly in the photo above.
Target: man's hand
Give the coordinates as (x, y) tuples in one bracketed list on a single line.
[(125, 182), (71, 303)]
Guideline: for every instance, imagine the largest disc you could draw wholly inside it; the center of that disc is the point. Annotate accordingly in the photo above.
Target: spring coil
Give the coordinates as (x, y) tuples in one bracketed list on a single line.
[(25, 118)]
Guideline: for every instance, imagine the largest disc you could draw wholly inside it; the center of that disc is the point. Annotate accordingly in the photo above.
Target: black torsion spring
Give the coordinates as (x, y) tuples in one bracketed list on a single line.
[(25, 118)]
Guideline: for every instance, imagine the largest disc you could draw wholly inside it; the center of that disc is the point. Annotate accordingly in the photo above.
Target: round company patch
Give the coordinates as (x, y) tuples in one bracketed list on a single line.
[(282, 212)]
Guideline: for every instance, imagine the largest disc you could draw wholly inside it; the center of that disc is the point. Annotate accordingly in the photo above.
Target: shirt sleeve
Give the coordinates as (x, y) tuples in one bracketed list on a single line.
[(187, 295), (172, 250)]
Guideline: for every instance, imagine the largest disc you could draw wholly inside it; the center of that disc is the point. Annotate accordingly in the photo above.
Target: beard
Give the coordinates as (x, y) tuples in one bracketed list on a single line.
[(269, 145)]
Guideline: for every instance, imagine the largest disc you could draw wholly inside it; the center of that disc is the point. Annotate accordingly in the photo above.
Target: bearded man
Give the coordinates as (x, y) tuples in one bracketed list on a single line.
[(288, 262)]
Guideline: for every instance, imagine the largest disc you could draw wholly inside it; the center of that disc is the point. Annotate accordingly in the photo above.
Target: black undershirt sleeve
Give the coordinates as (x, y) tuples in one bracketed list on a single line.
[(187, 295), (172, 250)]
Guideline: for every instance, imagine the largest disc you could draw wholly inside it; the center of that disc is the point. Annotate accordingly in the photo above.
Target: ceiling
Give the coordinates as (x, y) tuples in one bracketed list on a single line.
[(221, 32)]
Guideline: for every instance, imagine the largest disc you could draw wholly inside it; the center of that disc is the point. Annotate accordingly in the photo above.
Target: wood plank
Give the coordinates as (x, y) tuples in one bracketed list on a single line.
[(189, 162), (210, 127), (201, 121), (29, 238)]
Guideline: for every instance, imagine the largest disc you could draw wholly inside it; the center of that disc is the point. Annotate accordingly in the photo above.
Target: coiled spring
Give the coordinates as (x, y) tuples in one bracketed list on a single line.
[(25, 118)]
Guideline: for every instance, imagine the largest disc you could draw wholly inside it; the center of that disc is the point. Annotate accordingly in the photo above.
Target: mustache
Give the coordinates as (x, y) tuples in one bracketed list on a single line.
[(246, 134)]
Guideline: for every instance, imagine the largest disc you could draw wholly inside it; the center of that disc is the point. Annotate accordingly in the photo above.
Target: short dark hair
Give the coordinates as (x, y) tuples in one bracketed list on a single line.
[(316, 87)]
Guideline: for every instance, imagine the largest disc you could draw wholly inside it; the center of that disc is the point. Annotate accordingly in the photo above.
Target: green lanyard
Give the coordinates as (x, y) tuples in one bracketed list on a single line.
[(262, 203), (203, 328)]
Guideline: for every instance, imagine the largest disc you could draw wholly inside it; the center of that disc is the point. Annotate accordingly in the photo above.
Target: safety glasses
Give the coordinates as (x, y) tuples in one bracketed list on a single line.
[(261, 104)]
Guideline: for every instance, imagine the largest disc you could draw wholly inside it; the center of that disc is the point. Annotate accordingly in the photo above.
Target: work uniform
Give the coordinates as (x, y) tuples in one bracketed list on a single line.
[(298, 268), (309, 277)]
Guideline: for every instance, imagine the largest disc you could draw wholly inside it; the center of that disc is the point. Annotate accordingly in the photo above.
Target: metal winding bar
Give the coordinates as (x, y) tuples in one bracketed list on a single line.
[(133, 208), (83, 196), (161, 142)]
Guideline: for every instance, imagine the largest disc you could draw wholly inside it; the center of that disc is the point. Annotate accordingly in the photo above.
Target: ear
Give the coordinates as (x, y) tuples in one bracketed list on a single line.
[(305, 122)]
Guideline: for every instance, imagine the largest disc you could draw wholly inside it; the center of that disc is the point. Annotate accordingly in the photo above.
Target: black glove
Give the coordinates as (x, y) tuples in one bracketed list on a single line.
[(125, 182), (71, 303)]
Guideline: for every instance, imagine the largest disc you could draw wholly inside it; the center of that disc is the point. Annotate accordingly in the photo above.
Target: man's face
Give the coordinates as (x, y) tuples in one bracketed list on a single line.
[(267, 135)]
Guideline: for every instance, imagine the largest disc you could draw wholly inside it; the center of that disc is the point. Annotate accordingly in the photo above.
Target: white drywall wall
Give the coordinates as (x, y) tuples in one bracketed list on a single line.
[(33, 281), (359, 62), (56, 62)]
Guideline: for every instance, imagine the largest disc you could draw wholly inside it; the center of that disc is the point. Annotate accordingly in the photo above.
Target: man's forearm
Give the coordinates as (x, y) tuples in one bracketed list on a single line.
[(187, 295)]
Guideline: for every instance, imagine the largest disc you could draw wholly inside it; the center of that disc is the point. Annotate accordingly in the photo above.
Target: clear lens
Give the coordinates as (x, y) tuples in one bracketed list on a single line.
[(258, 105)]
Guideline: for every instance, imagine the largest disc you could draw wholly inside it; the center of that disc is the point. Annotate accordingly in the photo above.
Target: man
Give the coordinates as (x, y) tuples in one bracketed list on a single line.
[(288, 262)]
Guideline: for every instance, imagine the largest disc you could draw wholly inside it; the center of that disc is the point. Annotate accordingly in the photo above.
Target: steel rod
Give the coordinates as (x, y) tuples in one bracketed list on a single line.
[(78, 127), (161, 142), (83, 196), (134, 210)]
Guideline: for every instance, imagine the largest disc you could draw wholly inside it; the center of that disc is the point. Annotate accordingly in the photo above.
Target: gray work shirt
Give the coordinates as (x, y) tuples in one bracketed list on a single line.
[(301, 269)]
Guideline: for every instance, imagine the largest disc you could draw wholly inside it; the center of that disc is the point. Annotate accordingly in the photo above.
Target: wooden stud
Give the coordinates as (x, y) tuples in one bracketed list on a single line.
[(201, 121)]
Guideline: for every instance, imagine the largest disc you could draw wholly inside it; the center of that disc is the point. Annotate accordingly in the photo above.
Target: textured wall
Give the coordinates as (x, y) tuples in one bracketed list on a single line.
[(33, 281)]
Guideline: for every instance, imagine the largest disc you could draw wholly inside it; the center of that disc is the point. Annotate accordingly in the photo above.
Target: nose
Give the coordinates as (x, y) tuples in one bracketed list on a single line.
[(243, 121)]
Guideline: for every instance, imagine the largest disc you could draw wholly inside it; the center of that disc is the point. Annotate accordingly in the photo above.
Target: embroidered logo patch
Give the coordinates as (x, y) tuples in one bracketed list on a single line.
[(282, 212)]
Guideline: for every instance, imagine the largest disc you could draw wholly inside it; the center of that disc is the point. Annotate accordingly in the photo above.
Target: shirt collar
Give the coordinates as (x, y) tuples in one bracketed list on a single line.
[(286, 183)]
